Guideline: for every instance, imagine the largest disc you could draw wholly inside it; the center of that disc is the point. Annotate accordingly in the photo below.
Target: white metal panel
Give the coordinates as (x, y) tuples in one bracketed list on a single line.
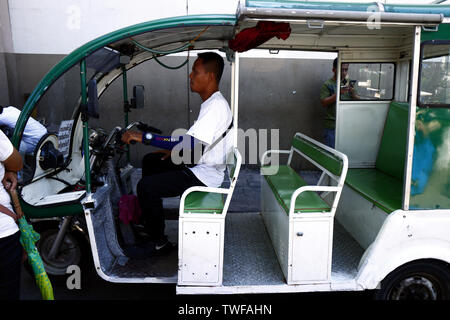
[(359, 127), (311, 255), (60, 198), (404, 237), (277, 224), (360, 217), (200, 254)]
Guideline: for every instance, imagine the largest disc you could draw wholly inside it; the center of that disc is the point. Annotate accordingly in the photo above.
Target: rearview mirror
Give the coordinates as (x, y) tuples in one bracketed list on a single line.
[(138, 100)]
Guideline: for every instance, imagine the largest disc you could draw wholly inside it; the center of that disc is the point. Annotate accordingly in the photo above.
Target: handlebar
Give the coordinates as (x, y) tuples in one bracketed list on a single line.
[(141, 127)]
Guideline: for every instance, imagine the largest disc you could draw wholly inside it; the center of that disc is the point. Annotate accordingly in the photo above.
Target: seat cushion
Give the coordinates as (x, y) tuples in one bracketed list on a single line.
[(381, 189), (285, 182), (204, 202)]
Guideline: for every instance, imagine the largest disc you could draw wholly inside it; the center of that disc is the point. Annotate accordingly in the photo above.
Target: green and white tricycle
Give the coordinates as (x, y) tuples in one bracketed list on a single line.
[(378, 216)]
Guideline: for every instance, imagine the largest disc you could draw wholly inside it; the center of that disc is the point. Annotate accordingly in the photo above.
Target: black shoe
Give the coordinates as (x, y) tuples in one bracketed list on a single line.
[(163, 247), (149, 249), (140, 250)]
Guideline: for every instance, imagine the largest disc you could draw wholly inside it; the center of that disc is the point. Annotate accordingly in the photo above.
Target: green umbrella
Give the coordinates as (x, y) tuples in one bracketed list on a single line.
[(28, 238)]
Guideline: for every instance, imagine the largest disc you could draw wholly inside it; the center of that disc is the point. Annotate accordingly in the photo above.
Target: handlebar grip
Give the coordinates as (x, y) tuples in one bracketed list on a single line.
[(153, 129), (145, 127)]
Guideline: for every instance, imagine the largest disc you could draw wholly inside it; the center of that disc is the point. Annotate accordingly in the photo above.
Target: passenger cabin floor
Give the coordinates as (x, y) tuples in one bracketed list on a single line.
[(249, 258)]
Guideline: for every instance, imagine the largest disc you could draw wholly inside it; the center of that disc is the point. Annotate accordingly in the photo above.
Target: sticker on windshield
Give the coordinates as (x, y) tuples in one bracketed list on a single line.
[(65, 130)]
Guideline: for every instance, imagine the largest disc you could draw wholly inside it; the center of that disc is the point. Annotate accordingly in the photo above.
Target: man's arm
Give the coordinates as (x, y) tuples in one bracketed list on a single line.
[(8, 212), (164, 142), (328, 101), (327, 95), (14, 162)]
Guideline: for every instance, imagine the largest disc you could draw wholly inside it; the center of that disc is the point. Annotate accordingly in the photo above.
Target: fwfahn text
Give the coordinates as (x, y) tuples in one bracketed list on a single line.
[(226, 309)]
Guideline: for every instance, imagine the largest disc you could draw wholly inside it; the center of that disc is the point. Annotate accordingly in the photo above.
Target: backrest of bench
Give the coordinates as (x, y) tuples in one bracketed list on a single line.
[(392, 152), (319, 155)]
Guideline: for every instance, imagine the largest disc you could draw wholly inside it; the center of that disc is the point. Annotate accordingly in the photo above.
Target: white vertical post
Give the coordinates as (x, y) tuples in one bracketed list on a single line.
[(235, 95), (412, 118), (338, 101)]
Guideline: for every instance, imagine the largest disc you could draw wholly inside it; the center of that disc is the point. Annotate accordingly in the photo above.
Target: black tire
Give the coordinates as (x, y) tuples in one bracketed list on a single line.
[(74, 250), (420, 280)]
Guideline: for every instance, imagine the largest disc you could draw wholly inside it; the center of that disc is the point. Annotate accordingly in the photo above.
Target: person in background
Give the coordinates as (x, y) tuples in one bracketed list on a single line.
[(10, 247), (32, 133), (328, 100)]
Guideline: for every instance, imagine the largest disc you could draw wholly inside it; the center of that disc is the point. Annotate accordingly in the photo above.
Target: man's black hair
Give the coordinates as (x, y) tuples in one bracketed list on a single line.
[(335, 63), (213, 62)]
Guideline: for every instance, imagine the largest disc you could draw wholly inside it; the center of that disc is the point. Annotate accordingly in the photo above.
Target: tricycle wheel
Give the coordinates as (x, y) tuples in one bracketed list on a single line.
[(421, 280), (74, 251)]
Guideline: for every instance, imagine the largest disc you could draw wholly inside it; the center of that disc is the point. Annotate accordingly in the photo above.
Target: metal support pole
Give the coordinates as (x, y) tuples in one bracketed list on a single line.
[(235, 96), (412, 118), (59, 237), (85, 118), (126, 105)]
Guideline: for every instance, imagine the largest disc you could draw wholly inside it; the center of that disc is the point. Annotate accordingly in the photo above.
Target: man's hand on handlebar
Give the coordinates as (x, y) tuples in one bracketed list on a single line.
[(130, 137)]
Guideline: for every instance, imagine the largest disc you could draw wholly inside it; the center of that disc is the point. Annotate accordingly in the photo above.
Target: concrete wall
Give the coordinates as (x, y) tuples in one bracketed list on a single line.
[(5, 48), (60, 26)]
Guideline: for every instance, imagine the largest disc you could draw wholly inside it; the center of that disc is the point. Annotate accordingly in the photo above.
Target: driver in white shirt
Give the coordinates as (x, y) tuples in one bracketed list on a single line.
[(161, 177)]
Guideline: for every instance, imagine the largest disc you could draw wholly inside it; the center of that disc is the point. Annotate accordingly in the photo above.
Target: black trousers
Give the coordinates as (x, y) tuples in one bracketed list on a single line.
[(161, 179), (10, 267)]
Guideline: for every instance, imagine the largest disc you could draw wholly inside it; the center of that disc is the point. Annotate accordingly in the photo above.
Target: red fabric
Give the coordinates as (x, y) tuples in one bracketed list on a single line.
[(252, 37), (129, 209)]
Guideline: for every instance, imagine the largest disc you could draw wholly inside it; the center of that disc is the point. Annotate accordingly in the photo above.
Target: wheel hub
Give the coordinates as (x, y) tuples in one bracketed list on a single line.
[(415, 288)]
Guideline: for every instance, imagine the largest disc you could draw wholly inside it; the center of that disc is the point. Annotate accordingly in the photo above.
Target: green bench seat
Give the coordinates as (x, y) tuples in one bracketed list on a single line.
[(383, 185), (284, 184), (381, 189), (284, 181), (204, 202), (212, 200)]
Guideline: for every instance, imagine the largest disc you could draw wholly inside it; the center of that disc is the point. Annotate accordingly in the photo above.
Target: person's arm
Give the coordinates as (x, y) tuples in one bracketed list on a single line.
[(328, 101), (14, 162), (8, 212), (327, 95), (163, 142)]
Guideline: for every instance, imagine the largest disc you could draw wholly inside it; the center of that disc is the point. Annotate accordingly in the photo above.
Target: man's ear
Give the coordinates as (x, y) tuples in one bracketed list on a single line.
[(211, 76)]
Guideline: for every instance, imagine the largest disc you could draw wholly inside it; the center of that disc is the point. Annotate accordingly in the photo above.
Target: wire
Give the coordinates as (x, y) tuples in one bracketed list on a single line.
[(163, 52), (169, 67)]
